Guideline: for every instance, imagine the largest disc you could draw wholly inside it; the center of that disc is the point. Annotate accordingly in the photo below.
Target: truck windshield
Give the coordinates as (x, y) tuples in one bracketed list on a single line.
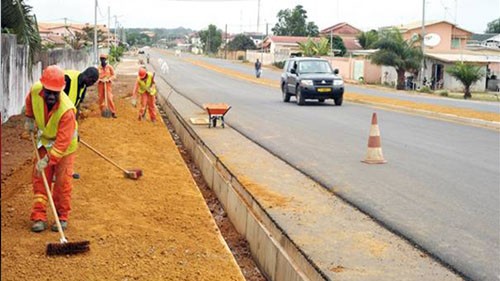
[(314, 67)]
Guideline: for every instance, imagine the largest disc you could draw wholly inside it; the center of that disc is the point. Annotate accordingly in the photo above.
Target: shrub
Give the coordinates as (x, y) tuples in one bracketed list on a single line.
[(241, 57), (279, 64), (425, 89), (443, 93)]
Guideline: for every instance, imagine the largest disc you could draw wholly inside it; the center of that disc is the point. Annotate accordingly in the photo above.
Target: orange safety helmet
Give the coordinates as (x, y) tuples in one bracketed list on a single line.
[(53, 78), (142, 72), (103, 56)]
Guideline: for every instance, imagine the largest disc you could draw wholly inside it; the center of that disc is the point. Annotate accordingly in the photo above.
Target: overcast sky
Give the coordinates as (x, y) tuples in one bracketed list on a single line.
[(241, 15)]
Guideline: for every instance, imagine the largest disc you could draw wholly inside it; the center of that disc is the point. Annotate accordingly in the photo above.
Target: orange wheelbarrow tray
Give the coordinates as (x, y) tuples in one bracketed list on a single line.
[(216, 111)]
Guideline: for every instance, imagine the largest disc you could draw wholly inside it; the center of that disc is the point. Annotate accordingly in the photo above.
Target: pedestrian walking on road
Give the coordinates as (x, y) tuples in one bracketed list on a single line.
[(146, 88), (106, 77), (50, 112), (77, 83), (258, 68)]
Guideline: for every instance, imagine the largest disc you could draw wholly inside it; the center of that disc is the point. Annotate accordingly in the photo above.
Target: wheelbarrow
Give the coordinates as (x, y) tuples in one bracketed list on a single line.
[(216, 111)]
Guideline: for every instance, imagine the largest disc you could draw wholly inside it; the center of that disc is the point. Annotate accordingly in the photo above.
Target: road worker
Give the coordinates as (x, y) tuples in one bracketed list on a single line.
[(146, 88), (77, 83), (106, 77), (53, 113)]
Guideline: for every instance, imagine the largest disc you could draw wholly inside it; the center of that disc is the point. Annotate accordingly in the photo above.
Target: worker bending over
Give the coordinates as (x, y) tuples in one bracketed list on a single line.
[(106, 77), (53, 113), (77, 83), (146, 87)]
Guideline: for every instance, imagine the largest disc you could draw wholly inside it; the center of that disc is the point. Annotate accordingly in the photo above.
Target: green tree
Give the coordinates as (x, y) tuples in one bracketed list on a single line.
[(338, 45), (211, 38), (293, 23), (403, 55), (89, 35), (241, 42), (310, 48), (16, 19), (493, 26), (467, 74), (368, 39)]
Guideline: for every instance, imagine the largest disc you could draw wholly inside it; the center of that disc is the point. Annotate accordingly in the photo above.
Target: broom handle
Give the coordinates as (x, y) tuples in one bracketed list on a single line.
[(106, 94), (49, 194), (102, 155)]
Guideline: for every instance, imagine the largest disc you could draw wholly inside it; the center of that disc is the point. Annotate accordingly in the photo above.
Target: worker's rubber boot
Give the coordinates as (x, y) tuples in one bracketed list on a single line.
[(64, 225), (39, 226)]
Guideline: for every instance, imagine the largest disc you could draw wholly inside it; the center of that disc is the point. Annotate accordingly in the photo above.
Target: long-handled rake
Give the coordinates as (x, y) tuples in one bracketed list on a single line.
[(106, 113), (131, 174), (63, 247)]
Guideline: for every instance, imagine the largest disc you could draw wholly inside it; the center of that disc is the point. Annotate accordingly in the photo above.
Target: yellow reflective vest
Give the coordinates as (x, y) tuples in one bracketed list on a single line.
[(48, 133), (74, 95), (145, 86)]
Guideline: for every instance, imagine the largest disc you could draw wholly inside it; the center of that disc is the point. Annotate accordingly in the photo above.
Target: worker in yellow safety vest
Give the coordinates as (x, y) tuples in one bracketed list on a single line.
[(145, 86), (77, 83), (52, 114)]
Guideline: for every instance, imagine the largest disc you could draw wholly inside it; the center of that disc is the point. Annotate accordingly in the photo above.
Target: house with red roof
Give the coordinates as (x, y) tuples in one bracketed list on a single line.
[(347, 32)]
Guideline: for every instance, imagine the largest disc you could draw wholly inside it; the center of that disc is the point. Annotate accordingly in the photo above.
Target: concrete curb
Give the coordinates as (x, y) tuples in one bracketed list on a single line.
[(277, 256)]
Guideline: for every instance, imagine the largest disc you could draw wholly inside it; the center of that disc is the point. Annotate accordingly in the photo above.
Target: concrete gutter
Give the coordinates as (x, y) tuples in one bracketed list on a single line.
[(296, 229)]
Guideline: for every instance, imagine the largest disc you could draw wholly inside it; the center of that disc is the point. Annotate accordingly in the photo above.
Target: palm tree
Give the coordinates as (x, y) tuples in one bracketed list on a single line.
[(403, 55), (467, 74), (16, 19), (368, 39), (312, 49)]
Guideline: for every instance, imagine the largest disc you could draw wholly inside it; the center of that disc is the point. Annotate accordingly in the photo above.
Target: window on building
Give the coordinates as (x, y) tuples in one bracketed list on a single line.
[(455, 43)]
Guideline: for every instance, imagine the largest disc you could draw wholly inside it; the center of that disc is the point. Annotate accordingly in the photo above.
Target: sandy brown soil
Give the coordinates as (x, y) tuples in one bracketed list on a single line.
[(156, 228)]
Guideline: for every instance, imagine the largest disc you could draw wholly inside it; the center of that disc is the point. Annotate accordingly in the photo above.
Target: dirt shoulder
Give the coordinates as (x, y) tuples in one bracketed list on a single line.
[(156, 228)]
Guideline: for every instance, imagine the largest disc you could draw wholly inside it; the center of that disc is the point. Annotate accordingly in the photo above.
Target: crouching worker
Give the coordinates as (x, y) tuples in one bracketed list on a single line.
[(52, 112), (146, 88), (77, 83)]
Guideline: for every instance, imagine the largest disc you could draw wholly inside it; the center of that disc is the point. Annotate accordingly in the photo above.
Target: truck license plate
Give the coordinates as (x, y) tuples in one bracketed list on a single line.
[(324, 90)]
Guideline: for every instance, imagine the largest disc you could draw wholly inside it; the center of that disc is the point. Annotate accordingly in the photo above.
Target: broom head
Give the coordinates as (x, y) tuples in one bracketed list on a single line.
[(68, 248), (133, 174), (106, 113)]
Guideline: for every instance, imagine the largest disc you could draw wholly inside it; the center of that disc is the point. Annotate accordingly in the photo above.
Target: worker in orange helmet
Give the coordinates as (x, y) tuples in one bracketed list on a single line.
[(50, 112), (106, 77), (145, 86)]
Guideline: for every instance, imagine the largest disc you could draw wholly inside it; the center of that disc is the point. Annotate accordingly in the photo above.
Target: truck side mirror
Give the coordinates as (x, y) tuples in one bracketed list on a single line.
[(336, 71), (293, 71)]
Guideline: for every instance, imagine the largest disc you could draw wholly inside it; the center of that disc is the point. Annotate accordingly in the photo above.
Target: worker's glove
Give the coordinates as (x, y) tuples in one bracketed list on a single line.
[(134, 102), (29, 125), (42, 163)]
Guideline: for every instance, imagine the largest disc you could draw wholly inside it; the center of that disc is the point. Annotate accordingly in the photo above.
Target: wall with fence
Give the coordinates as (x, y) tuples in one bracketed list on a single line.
[(16, 79)]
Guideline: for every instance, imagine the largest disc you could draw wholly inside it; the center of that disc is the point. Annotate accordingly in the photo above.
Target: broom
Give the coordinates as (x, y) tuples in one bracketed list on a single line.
[(106, 113), (63, 247), (131, 174)]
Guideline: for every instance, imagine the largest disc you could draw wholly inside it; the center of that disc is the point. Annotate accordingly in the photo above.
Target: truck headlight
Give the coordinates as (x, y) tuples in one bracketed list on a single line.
[(306, 82), (338, 82)]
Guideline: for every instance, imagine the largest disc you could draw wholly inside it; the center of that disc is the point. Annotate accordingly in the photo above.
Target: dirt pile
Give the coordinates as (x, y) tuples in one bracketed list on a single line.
[(156, 228)]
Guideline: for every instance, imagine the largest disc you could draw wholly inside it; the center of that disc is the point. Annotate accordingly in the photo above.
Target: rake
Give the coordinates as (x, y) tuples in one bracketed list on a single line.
[(63, 247), (131, 174)]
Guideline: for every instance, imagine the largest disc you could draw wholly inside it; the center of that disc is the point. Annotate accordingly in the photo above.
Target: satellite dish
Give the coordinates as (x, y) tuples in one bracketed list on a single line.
[(432, 39)]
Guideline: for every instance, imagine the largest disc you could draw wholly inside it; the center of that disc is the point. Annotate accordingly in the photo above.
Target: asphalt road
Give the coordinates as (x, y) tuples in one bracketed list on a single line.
[(440, 188)]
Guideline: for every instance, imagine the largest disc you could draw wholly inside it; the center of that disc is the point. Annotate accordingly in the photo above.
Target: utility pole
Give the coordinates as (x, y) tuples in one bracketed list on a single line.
[(109, 26), (331, 42), (116, 27), (95, 35), (258, 15), (225, 44), (423, 45)]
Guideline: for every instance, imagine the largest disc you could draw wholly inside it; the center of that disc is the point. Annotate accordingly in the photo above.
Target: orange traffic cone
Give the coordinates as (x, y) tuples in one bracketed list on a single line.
[(374, 154)]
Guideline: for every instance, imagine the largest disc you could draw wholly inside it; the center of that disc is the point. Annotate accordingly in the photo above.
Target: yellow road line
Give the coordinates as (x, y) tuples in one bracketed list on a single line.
[(355, 97)]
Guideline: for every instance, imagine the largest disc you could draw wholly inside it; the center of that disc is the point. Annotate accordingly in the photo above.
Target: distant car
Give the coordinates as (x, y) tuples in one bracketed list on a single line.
[(311, 78)]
